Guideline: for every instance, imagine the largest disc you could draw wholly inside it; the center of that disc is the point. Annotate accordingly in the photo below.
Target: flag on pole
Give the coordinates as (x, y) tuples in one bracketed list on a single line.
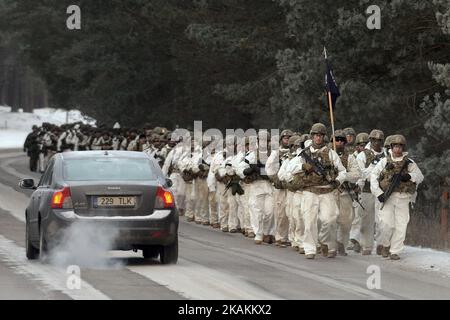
[(330, 83)]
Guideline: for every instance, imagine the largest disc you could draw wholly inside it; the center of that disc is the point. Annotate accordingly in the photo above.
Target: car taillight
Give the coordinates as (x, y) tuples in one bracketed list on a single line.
[(61, 199), (164, 199)]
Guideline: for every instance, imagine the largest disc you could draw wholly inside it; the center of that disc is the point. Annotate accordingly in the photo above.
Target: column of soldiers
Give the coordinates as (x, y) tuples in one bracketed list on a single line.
[(43, 142), (304, 192)]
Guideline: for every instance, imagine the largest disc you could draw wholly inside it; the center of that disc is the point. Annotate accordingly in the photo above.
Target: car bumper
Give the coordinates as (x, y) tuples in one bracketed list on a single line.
[(128, 232)]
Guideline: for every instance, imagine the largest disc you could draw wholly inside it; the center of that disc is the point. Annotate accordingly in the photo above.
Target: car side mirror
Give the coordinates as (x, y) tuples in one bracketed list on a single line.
[(169, 183), (27, 184)]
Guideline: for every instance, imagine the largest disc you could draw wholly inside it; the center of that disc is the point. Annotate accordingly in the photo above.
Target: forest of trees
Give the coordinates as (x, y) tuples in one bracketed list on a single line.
[(236, 63)]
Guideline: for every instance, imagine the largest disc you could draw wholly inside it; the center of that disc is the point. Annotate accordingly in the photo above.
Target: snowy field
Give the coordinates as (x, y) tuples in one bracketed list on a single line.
[(15, 126)]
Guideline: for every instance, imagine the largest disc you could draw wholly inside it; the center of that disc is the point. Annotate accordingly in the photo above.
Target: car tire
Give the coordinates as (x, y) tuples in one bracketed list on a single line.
[(31, 252), (150, 252), (43, 246), (169, 254)]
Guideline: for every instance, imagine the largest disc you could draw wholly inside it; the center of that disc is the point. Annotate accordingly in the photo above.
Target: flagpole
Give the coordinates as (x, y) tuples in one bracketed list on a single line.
[(330, 104)]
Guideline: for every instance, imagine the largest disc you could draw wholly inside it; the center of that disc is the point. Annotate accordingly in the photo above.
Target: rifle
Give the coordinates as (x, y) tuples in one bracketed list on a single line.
[(317, 166), (353, 195), (227, 187), (395, 181)]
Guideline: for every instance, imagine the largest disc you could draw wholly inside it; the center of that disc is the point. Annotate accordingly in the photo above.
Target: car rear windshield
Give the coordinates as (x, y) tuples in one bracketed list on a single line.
[(108, 169)]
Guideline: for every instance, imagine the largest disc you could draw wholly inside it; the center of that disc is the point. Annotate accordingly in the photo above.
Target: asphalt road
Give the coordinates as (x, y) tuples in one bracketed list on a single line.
[(212, 265)]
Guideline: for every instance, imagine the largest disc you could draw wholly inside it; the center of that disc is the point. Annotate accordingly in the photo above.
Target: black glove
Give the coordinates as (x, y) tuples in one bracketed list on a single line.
[(381, 198), (405, 177), (248, 171)]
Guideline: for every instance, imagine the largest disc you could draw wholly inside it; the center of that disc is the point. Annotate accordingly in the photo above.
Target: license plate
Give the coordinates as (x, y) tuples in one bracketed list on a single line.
[(109, 202)]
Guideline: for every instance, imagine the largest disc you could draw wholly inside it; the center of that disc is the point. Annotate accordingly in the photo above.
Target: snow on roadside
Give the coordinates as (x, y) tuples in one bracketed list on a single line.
[(426, 259), (12, 139), (15, 126)]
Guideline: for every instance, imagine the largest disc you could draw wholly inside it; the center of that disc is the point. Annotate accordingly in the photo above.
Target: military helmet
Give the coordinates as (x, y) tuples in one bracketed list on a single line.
[(293, 139), (286, 132), (339, 134), (362, 137), (318, 128), (398, 139), (158, 130), (305, 137), (349, 132), (376, 134), (387, 141)]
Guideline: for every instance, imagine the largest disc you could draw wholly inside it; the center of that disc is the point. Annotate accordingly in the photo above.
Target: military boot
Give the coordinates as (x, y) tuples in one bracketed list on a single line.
[(341, 249), (379, 249), (280, 244), (215, 225), (267, 239), (251, 234), (356, 246), (258, 241), (385, 252), (394, 257), (331, 254), (324, 250), (301, 250), (225, 229), (310, 256), (366, 252)]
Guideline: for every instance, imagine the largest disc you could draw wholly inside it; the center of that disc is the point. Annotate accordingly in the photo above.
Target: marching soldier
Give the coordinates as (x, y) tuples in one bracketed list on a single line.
[(260, 195), (187, 167), (172, 170), (393, 181), (223, 177), (347, 191), (213, 185), (201, 169), (233, 189), (279, 192), (362, 139), (291, 205), (321, 173), (350, 136), (244, 198), (367, 160)]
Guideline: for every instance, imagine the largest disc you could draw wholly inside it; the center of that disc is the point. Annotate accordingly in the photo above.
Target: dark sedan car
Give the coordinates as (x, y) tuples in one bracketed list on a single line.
[(122, 190)]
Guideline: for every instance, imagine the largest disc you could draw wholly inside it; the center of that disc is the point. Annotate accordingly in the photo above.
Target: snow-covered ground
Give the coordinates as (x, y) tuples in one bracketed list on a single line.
[(15, 126), (425, 259)]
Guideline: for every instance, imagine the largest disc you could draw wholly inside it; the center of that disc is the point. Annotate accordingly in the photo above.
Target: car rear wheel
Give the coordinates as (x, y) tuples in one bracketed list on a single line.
[(150, 252), (31, 252), (43, 247), (169, 254)]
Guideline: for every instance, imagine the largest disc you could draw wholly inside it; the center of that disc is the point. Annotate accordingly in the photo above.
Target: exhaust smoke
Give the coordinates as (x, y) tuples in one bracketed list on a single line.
[(86, 245)]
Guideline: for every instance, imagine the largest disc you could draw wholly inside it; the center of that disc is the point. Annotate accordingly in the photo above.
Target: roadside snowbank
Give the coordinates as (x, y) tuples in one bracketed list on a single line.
[(15, 126)]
